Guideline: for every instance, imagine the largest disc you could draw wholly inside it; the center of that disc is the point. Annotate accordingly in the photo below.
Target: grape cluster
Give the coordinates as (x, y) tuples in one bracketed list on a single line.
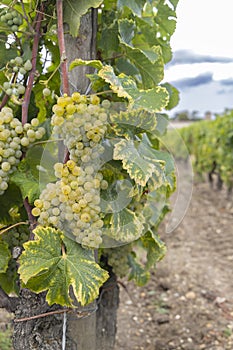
[(17, 65), (11, 18), (81, 125), (72, 203), (13, 138), (118, 259)]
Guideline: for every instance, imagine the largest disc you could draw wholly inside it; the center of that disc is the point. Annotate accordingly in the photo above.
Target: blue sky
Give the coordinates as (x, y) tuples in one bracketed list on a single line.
[(202, 64)]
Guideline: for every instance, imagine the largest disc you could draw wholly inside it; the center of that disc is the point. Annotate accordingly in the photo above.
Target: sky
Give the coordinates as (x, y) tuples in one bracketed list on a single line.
[(202, 64)]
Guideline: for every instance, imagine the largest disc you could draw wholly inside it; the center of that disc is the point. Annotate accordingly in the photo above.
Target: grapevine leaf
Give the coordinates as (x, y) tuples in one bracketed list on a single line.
[(134, 121), (149, 63), (79, 62), (138, 161), (137, 272), (152, 100), (126, 30), (174, 3), (125, 226), (166, 19), (74, 10), (135, 6), (116, 82), (27, 183), (9, 199), (173, 96), (9, 279), (45, 266), (5, 54), (4, 256), (155, 248), (109, 41)]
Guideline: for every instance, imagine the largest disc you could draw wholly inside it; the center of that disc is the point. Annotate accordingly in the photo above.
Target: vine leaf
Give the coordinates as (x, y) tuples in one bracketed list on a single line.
[(135, 6), (156, 249), (45, 266), (138, 162), (74, 10), (92, 63), (4, 256), (137, 272), (173, 96), (134, 121), (119, 84), (28, 184), (151, 100), (149, 63), (125, 226), (10, 198)]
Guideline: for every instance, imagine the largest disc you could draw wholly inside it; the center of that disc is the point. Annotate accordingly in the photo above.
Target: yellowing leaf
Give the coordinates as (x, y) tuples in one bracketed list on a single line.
[(139, 164), (45, 265), (107, 73), (92, 63), (125, 226)]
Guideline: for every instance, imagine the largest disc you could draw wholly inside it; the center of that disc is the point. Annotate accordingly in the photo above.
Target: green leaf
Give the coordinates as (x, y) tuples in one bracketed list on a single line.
[(135, 6), (134, 122), (28, 184), (149, 63), (155, 248), (4, 256), (173, 96), (137, 272), (74, 10), (126, 29), (92, 63), (9, 279), (138, 162), (109, 41), (125, 226), (45, 265), (9, 199), (5, 54)]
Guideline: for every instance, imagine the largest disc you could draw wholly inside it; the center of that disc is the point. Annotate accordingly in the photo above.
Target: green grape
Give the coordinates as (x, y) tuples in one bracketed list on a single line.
[(46, 92), (27, 65), (13, 137), (118, 259)]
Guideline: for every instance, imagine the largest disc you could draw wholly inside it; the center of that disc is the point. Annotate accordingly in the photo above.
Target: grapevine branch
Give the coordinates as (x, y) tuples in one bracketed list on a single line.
[(61, 43), (31, 77)]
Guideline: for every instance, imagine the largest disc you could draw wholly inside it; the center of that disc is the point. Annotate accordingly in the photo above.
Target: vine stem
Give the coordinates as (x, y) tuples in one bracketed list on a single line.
[(32, 74), (61, 43), (12, 226)]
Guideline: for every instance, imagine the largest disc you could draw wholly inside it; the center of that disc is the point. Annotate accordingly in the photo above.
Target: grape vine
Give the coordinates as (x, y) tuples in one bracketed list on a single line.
[(84, 169)]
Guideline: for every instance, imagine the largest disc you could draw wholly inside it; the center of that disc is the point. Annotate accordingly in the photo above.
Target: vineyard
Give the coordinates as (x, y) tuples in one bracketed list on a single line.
[(89, 175)]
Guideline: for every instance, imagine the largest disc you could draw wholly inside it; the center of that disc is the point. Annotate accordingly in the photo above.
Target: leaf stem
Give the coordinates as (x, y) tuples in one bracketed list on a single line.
[(12, 226), (61, 43)]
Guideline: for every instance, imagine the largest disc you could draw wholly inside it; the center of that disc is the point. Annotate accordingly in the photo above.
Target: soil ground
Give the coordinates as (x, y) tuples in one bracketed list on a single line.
[(188, 303)]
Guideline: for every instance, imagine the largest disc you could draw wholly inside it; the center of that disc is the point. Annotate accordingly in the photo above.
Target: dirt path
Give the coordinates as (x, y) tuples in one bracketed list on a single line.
[(188, 303)]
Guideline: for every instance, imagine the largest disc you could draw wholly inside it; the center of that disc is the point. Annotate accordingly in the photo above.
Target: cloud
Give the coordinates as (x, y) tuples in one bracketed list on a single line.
[(190, 57), (227, 82), (186, 83)]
